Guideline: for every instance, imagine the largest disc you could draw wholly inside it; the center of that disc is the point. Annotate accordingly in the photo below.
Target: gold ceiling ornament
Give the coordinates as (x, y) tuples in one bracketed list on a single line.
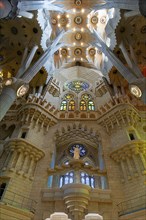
[(92, 52), (54, 21), (78, 20), (64, 52), (78, 36), (78, 2), (63, 21), (77, 51), (103, 19), (94, 20)]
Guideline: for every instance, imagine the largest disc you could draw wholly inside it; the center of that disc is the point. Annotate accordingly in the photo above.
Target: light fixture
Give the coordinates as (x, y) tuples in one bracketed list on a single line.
[(82, 29), (74, 10), (58, 16), (135, 90), (83, 10), (22, 90)]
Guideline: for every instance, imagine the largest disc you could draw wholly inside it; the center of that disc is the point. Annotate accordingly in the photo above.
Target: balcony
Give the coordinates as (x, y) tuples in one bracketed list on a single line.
[(132, 205), (18, 201)]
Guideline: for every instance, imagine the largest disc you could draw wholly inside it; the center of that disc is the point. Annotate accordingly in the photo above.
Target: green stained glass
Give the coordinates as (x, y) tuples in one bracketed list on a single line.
[(91, 106), (86, 97), (63, 106)]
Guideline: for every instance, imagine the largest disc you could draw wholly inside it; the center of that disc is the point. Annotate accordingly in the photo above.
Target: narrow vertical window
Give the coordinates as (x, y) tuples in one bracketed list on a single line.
[(63, 106), (91, 106), (71, 106), (83, 106)]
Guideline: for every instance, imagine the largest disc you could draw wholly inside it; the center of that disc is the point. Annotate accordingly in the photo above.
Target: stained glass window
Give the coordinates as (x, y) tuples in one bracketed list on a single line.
[(91, 106), (86, 179), (86, 97), (71, 106), (83, 106), (68, 97), (81, 147), (66, 179), (77, 86), (63, 106)]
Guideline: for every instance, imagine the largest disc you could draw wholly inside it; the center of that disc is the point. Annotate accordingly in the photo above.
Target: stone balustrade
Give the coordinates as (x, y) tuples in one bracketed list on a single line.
[(21, 157), (131, 159)]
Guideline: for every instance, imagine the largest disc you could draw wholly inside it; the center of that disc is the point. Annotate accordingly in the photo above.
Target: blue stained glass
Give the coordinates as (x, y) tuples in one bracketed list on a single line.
[(71, 180), (61, 182), (81, 148), (66, 180), (77, 86)]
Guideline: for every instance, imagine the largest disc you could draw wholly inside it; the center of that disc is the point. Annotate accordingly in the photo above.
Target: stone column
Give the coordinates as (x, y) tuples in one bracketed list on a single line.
[(123, 169), (25, 165), (101, 166), (129, 166), (7, 98), (26, 61), (8, 156), (135, 163), (5, 8), (143, 160), (13, 161), (19, 160), (31, 166), (52, 165)]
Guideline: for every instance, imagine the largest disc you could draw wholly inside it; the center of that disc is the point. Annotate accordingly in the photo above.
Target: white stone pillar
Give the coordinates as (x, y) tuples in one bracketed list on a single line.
[(93, 216), (58, 216)]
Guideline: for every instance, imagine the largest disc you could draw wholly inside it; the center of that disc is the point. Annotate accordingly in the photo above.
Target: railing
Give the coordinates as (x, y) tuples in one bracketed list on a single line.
[(132, 205), (16, 200)]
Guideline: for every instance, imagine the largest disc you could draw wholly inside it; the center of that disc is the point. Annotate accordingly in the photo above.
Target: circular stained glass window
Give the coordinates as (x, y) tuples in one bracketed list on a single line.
[(81, 147), (77, 86)]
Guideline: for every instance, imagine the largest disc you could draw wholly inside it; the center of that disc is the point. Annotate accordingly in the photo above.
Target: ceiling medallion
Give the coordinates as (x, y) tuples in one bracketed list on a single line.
[(78, 2), (78, 36), (78, 20), (135, 90), (92, 52), (78, 52), (94, 20), (64, 52), (54, 21), (63, 21), (103, 19)]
